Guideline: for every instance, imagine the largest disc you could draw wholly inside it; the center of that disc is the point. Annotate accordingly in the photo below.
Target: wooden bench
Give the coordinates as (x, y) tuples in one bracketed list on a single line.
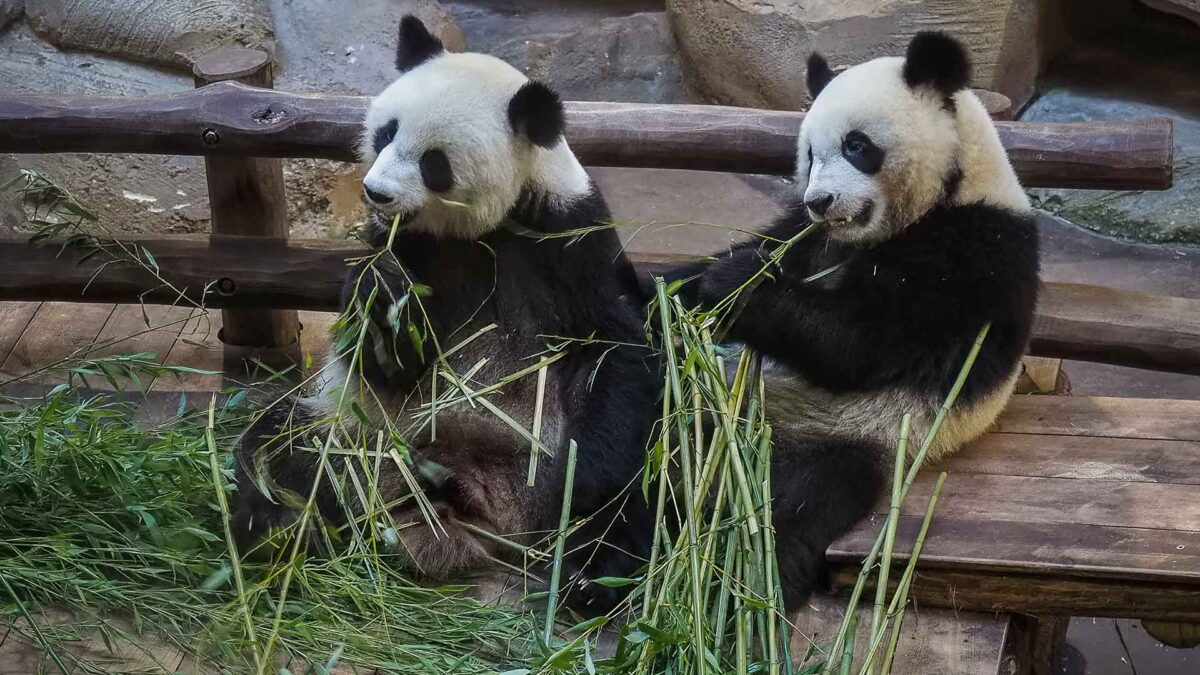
[(1071, 506)]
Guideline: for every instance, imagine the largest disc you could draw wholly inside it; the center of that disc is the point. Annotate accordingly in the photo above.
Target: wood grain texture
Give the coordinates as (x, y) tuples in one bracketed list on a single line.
[(59, 330), (932, 641), (246, 197), (14, 317), (1161, 333), (1067, 318), (1043, 594), (981, 540), (1079, 505), (256, 122), (1086, 457), (1147, 418)]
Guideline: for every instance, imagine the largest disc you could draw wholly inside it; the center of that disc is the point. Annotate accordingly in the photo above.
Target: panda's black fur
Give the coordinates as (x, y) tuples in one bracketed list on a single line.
[(537, 289), (871, 319)]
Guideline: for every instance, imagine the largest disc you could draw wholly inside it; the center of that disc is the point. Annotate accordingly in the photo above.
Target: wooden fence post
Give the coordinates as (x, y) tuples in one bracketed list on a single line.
[(246, 198)]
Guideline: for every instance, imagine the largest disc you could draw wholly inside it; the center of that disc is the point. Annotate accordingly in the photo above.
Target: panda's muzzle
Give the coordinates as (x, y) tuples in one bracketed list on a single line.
[(862, 217), (376, 198)]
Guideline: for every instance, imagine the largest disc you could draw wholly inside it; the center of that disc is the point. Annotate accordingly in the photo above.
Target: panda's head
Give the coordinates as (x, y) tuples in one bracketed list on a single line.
[(887, 140), (457, 138)]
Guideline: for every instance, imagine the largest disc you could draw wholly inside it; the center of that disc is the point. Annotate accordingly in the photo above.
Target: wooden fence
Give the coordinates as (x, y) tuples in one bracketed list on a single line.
[(250, 265)]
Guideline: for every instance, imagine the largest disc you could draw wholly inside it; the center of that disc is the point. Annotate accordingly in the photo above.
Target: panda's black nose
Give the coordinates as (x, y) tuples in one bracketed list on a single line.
[(819, 205), (376, 197)]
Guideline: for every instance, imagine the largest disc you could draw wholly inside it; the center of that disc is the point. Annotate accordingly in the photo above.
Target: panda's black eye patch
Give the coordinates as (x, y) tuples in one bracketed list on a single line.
[(384, 135), (862, 153), (435, 171)]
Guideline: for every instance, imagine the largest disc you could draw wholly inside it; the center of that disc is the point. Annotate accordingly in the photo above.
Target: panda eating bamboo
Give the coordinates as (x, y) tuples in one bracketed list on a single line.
[(483, 268), (920, 235)]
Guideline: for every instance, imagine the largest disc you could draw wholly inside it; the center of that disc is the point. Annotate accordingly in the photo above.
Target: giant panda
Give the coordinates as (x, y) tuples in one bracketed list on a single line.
[(921, 235), (467, 155)]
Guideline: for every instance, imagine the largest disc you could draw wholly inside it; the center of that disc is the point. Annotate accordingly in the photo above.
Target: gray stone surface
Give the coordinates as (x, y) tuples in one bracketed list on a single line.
[(602, 51), (752, 52), (164, 32), (349, 47), (1188, 9), (1149, 70)]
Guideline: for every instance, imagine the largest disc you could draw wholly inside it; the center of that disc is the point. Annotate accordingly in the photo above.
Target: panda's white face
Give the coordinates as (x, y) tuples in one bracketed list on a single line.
[(873, 153), (443, 151)]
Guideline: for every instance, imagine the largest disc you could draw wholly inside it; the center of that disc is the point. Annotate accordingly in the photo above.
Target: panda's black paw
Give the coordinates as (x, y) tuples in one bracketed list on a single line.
[(802, 570), (378, 284), (587, 598)]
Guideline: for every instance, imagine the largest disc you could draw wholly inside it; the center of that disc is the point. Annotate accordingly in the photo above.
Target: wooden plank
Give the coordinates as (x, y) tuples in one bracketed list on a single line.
[(127, 332), (1043, 594), (308, 274), (1164, 419), (59, 331), (972, 541), (1165, 506), (14, 318), (932, 642), (197, 346), (243, 121), (1087, 457), (243, 272), (1067, 318)]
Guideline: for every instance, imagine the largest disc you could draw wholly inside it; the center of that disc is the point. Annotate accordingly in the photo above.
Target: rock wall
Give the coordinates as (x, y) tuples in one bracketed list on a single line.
[(752, 52), (162, 32)]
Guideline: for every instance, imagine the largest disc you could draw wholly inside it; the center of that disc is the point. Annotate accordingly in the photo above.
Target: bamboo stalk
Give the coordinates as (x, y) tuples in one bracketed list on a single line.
[(560, 542), (893, 518), (210, 438), (910, 570)]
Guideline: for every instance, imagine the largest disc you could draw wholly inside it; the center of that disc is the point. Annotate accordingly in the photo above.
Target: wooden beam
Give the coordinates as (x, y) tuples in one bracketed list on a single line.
[(1073, 321), (246, 197), (231, 119)]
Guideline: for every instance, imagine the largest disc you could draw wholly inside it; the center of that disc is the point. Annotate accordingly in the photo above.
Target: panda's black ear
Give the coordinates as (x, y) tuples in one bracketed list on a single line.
[(417, 45), (536, 113), (936, 60), (819, 75)]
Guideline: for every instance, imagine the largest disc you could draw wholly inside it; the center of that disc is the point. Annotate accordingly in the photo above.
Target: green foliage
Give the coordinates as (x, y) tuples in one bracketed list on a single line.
[(114, 517)]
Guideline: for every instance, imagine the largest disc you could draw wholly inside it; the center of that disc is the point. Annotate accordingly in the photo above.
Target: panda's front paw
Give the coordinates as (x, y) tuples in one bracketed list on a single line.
[(378, 283)]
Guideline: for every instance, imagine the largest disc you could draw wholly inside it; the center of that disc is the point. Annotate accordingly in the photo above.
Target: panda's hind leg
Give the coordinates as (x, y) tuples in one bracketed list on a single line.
[(821, 487)]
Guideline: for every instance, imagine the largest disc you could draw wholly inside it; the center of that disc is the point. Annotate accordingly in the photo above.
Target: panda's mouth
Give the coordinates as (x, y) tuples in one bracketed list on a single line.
[(859, 219), (401, 218)]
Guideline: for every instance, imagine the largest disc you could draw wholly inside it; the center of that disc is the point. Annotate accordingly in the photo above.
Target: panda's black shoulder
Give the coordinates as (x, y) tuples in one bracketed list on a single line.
[(988, 249)]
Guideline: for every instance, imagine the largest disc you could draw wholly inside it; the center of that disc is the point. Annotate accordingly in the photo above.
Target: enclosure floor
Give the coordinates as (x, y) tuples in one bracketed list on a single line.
[(37, 339)]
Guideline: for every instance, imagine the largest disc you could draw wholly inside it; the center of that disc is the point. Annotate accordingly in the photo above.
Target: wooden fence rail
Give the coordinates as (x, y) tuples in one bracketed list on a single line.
[(229, 118), (1073, 321)]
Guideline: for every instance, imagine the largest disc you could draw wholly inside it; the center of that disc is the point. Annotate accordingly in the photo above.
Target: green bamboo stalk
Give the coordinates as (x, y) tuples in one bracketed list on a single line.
[(890, 655), (873, 556), (893, 518), (560, 542), (773, 601), (686, 461), (210, 438), (846, 656), (910, 570), (537, 423)]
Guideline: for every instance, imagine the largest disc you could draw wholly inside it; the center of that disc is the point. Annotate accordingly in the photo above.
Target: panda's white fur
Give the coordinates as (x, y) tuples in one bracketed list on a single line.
[(458, 102), (923, 144)]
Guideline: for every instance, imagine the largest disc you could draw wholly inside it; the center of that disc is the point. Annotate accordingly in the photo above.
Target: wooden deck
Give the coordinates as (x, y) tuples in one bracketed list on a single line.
[(37, 335)]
